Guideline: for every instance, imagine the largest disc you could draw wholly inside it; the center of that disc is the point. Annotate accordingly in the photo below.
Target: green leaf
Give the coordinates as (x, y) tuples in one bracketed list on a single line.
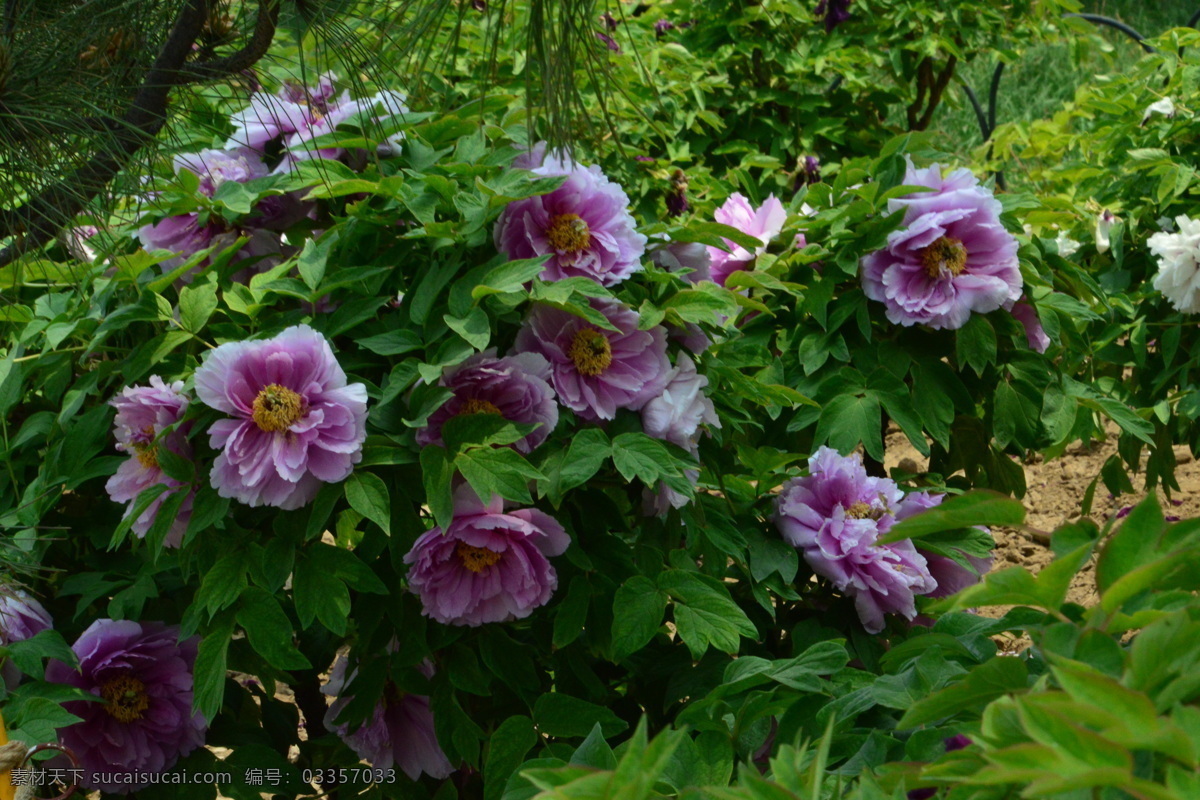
[(501, 471), (197, 303), (475, 327), (559, 714), (507, 748), (269, 630), (1133, 544), (976, 507), (437, 472), (636, 455), (27, 654), (510, 277), (594, 752), (209, 671), (1017, 586), (990, 680), (393, 343), (320, 594), (587, 453), (846, 421), (571, 614), (312, 259), (705, 614), (975, 343), (223, 583), (368, 495), (638, 609), (482, 430)]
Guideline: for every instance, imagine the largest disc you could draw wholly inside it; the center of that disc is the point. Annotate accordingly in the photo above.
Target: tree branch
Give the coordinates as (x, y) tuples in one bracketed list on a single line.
[(264, 33), (38, 220)]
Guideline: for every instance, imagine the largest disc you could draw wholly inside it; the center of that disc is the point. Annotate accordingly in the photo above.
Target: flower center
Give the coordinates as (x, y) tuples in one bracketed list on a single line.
[(568, 233), (125, 698), (276, 408), (476, 559), (591, 352), (947, 254), (147, 454), (861, 510), (477, 406)]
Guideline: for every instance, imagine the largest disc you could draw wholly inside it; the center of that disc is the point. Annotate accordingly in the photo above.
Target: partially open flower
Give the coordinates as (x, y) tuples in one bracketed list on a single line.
[(489, 565), (399, 731), (143, 414)]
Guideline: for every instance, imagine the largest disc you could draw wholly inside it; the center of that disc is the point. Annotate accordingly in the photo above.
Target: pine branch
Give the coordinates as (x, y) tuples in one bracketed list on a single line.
[(260, 41)]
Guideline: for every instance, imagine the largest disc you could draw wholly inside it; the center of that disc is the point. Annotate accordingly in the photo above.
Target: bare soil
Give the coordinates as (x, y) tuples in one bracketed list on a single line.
[(1055, 495)]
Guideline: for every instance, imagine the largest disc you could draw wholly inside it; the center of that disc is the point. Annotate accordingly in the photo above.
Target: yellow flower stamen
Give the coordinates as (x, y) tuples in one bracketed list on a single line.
[(568, 233), (477, 406), (277, 408), (946, 253), (147, 455), (476, 559), (591, 352), (125, 698)]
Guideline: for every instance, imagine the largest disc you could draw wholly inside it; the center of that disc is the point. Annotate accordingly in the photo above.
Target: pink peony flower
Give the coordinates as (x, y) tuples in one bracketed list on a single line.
[(951, 576), (952, 258), (21, 617), (297, 423), (677, 256), (677, 414), (272, 117), (145, 722), (1035, 334), (595, 371), (143, 413), (399, 731), (514, 387), (834, 517), (763, 223), (584, 226), (489, 565)]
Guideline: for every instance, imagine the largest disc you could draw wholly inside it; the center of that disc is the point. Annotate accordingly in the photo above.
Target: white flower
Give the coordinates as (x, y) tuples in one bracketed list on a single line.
[(1166, 107), (677, 414), (1178, 254), (1103, 223), (1067, 246)]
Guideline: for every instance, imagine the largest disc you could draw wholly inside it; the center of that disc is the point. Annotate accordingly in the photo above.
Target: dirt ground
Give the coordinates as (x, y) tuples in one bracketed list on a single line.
[(1055, 494)]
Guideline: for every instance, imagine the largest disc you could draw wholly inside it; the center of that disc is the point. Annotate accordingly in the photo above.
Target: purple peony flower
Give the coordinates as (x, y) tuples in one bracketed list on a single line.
[(677, 202), (272, 117), (297, 423), (514, 387), (215, 167), (951, 576), (595, 371), (662, 26), (583, 225), (689, 336), (1035, 334), (489, 565), (376, 108), (143, 675), (677, 414), (834, 517), (659, 501), (532, 158), (676, 256), (143, 413), (21, 617), (763, 223), (399, 731), (952, 257), (609, 42), (835, 12)]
